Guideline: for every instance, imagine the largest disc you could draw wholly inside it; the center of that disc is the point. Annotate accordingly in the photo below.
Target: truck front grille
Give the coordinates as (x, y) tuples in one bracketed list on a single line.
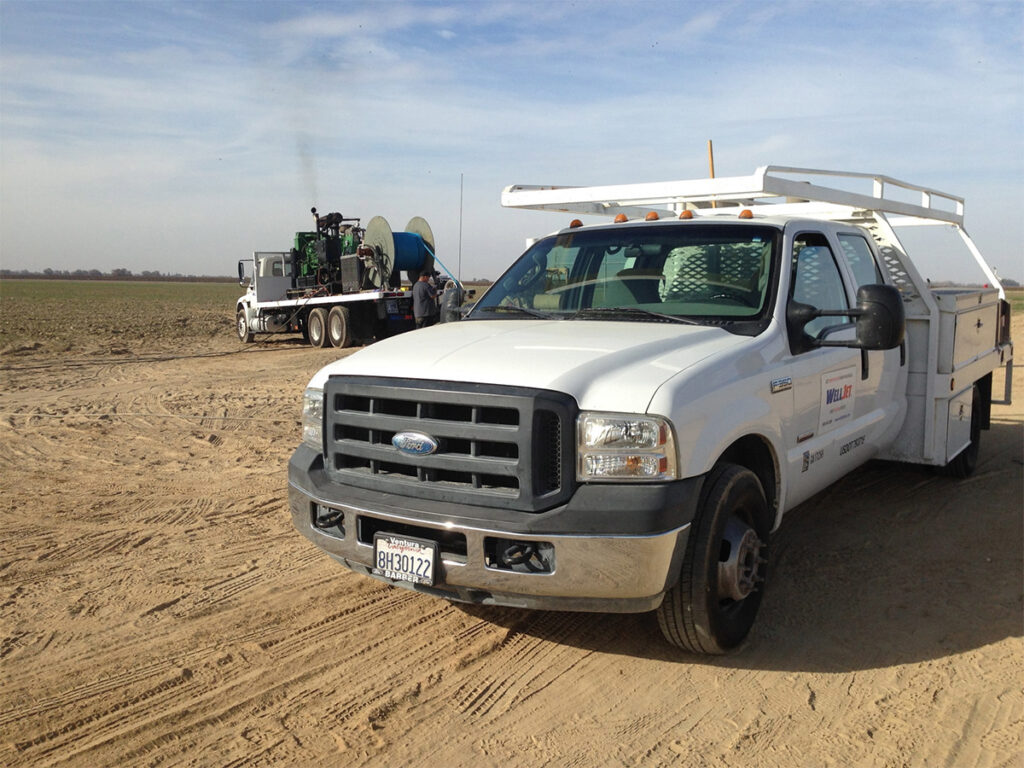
[(498, 446)]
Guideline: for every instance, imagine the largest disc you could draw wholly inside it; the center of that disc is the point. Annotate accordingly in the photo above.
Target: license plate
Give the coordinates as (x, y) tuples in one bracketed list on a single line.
[(404, 559)]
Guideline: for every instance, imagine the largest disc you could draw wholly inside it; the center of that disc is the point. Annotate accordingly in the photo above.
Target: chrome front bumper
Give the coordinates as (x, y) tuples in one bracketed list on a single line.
[(611, 573)]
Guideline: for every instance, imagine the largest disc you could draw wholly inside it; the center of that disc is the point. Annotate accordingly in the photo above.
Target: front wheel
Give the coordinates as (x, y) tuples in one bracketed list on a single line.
[(242, 327), (713, 605)]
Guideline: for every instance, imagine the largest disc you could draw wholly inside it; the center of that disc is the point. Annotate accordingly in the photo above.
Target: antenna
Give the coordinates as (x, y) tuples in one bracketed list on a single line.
[(460, 228)]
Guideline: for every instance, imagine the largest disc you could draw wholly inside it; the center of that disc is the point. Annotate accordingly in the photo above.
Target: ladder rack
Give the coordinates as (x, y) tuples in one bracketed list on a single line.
[(765, 190)]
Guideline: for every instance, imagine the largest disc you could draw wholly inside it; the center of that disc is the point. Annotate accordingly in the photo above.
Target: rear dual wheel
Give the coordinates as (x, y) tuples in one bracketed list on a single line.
[(713, 605), (316, 327), (334, 327), (339, 327)]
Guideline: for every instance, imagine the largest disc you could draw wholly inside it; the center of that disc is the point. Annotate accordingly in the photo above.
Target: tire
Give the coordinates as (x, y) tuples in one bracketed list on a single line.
[(965, 462), (316, 324), (712, 607), (339, 327), (242, 328)]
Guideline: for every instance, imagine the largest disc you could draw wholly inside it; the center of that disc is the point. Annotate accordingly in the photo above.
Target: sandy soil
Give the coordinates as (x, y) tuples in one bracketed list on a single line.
[(157, 608)]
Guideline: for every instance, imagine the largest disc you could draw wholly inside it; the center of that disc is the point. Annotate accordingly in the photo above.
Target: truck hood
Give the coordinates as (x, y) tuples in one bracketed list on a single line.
[(613, 366)]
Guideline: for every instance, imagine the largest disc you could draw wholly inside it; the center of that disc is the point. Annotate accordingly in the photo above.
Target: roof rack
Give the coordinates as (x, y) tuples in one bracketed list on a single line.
[(764, 190)]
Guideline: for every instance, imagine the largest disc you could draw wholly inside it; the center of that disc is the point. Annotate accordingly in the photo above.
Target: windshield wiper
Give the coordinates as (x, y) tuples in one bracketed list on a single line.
[(630, 313), (514, 310)]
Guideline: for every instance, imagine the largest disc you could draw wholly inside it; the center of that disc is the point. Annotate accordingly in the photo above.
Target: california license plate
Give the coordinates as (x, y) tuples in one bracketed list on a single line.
[(404, 559)]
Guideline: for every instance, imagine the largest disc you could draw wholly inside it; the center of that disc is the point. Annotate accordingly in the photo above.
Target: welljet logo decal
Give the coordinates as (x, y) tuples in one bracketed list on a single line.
[(838, 395)]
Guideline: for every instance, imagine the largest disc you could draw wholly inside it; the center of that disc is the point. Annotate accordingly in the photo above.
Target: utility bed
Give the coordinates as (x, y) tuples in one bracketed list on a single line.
[(968, 343)]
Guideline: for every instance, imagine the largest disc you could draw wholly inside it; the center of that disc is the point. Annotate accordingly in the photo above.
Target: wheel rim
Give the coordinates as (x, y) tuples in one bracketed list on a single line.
[(337, 330), (740, 562), (316, 328), (242, 326)]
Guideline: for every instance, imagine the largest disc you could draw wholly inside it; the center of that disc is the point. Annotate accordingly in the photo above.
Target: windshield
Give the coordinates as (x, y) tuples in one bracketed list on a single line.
[(659, 273)]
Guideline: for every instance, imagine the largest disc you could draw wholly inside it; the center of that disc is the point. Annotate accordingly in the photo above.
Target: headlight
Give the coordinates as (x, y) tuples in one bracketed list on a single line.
[(313, 418), (623, 447)]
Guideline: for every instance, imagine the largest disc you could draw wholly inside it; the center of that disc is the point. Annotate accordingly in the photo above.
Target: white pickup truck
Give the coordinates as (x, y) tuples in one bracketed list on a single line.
[(622, 420)]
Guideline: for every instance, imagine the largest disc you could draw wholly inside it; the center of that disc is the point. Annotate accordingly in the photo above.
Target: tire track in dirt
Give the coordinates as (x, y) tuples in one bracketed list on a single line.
[(78, 695), (379, 603), (183, 691), (209, 709), (168, 686), (514, 666), (98, 723), (520, 662), (167, 515)]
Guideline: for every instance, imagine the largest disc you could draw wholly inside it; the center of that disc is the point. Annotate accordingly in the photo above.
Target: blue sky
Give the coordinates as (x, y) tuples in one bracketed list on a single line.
[(181, 136)]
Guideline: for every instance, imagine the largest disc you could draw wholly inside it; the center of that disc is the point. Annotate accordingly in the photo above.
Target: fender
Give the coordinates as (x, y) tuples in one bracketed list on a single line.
[(721, 401)]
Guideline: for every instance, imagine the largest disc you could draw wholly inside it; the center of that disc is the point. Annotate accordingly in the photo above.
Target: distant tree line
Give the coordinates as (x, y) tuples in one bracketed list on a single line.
[(1006, 282), (115, 274)]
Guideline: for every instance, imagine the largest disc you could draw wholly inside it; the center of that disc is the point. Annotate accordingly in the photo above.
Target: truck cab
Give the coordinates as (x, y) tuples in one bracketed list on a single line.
[(626, 415)]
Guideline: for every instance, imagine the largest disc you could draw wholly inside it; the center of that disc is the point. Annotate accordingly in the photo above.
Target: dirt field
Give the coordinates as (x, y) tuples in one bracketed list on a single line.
[(157, 608)]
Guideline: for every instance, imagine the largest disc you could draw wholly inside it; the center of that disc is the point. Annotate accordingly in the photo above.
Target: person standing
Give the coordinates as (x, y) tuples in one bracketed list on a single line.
[(451, 300), (424, 302)]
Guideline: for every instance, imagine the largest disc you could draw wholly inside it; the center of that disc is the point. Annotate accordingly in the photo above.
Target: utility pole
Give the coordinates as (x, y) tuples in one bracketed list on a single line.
[(460, 228)]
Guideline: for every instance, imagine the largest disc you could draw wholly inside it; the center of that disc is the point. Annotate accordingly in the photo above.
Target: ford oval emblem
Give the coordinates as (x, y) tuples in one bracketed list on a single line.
[(414, 443)]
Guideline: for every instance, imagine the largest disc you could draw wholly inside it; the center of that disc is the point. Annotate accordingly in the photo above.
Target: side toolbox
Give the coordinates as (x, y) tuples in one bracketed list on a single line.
[(968, 326)]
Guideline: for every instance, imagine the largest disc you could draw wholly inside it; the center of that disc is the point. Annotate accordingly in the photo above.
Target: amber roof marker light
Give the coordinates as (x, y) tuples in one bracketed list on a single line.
[(686, 214), (651, 216), (621, 218)]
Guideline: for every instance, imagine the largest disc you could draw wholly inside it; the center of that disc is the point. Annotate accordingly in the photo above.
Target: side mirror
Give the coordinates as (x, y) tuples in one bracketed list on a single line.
[(879, 318), (245, 280)]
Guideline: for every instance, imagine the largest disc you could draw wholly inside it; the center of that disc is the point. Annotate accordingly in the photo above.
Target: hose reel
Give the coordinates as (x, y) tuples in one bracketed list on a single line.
[(386, 253)]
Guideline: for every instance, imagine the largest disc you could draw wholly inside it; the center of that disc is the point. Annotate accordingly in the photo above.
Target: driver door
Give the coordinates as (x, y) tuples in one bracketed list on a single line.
[(826, 380)]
